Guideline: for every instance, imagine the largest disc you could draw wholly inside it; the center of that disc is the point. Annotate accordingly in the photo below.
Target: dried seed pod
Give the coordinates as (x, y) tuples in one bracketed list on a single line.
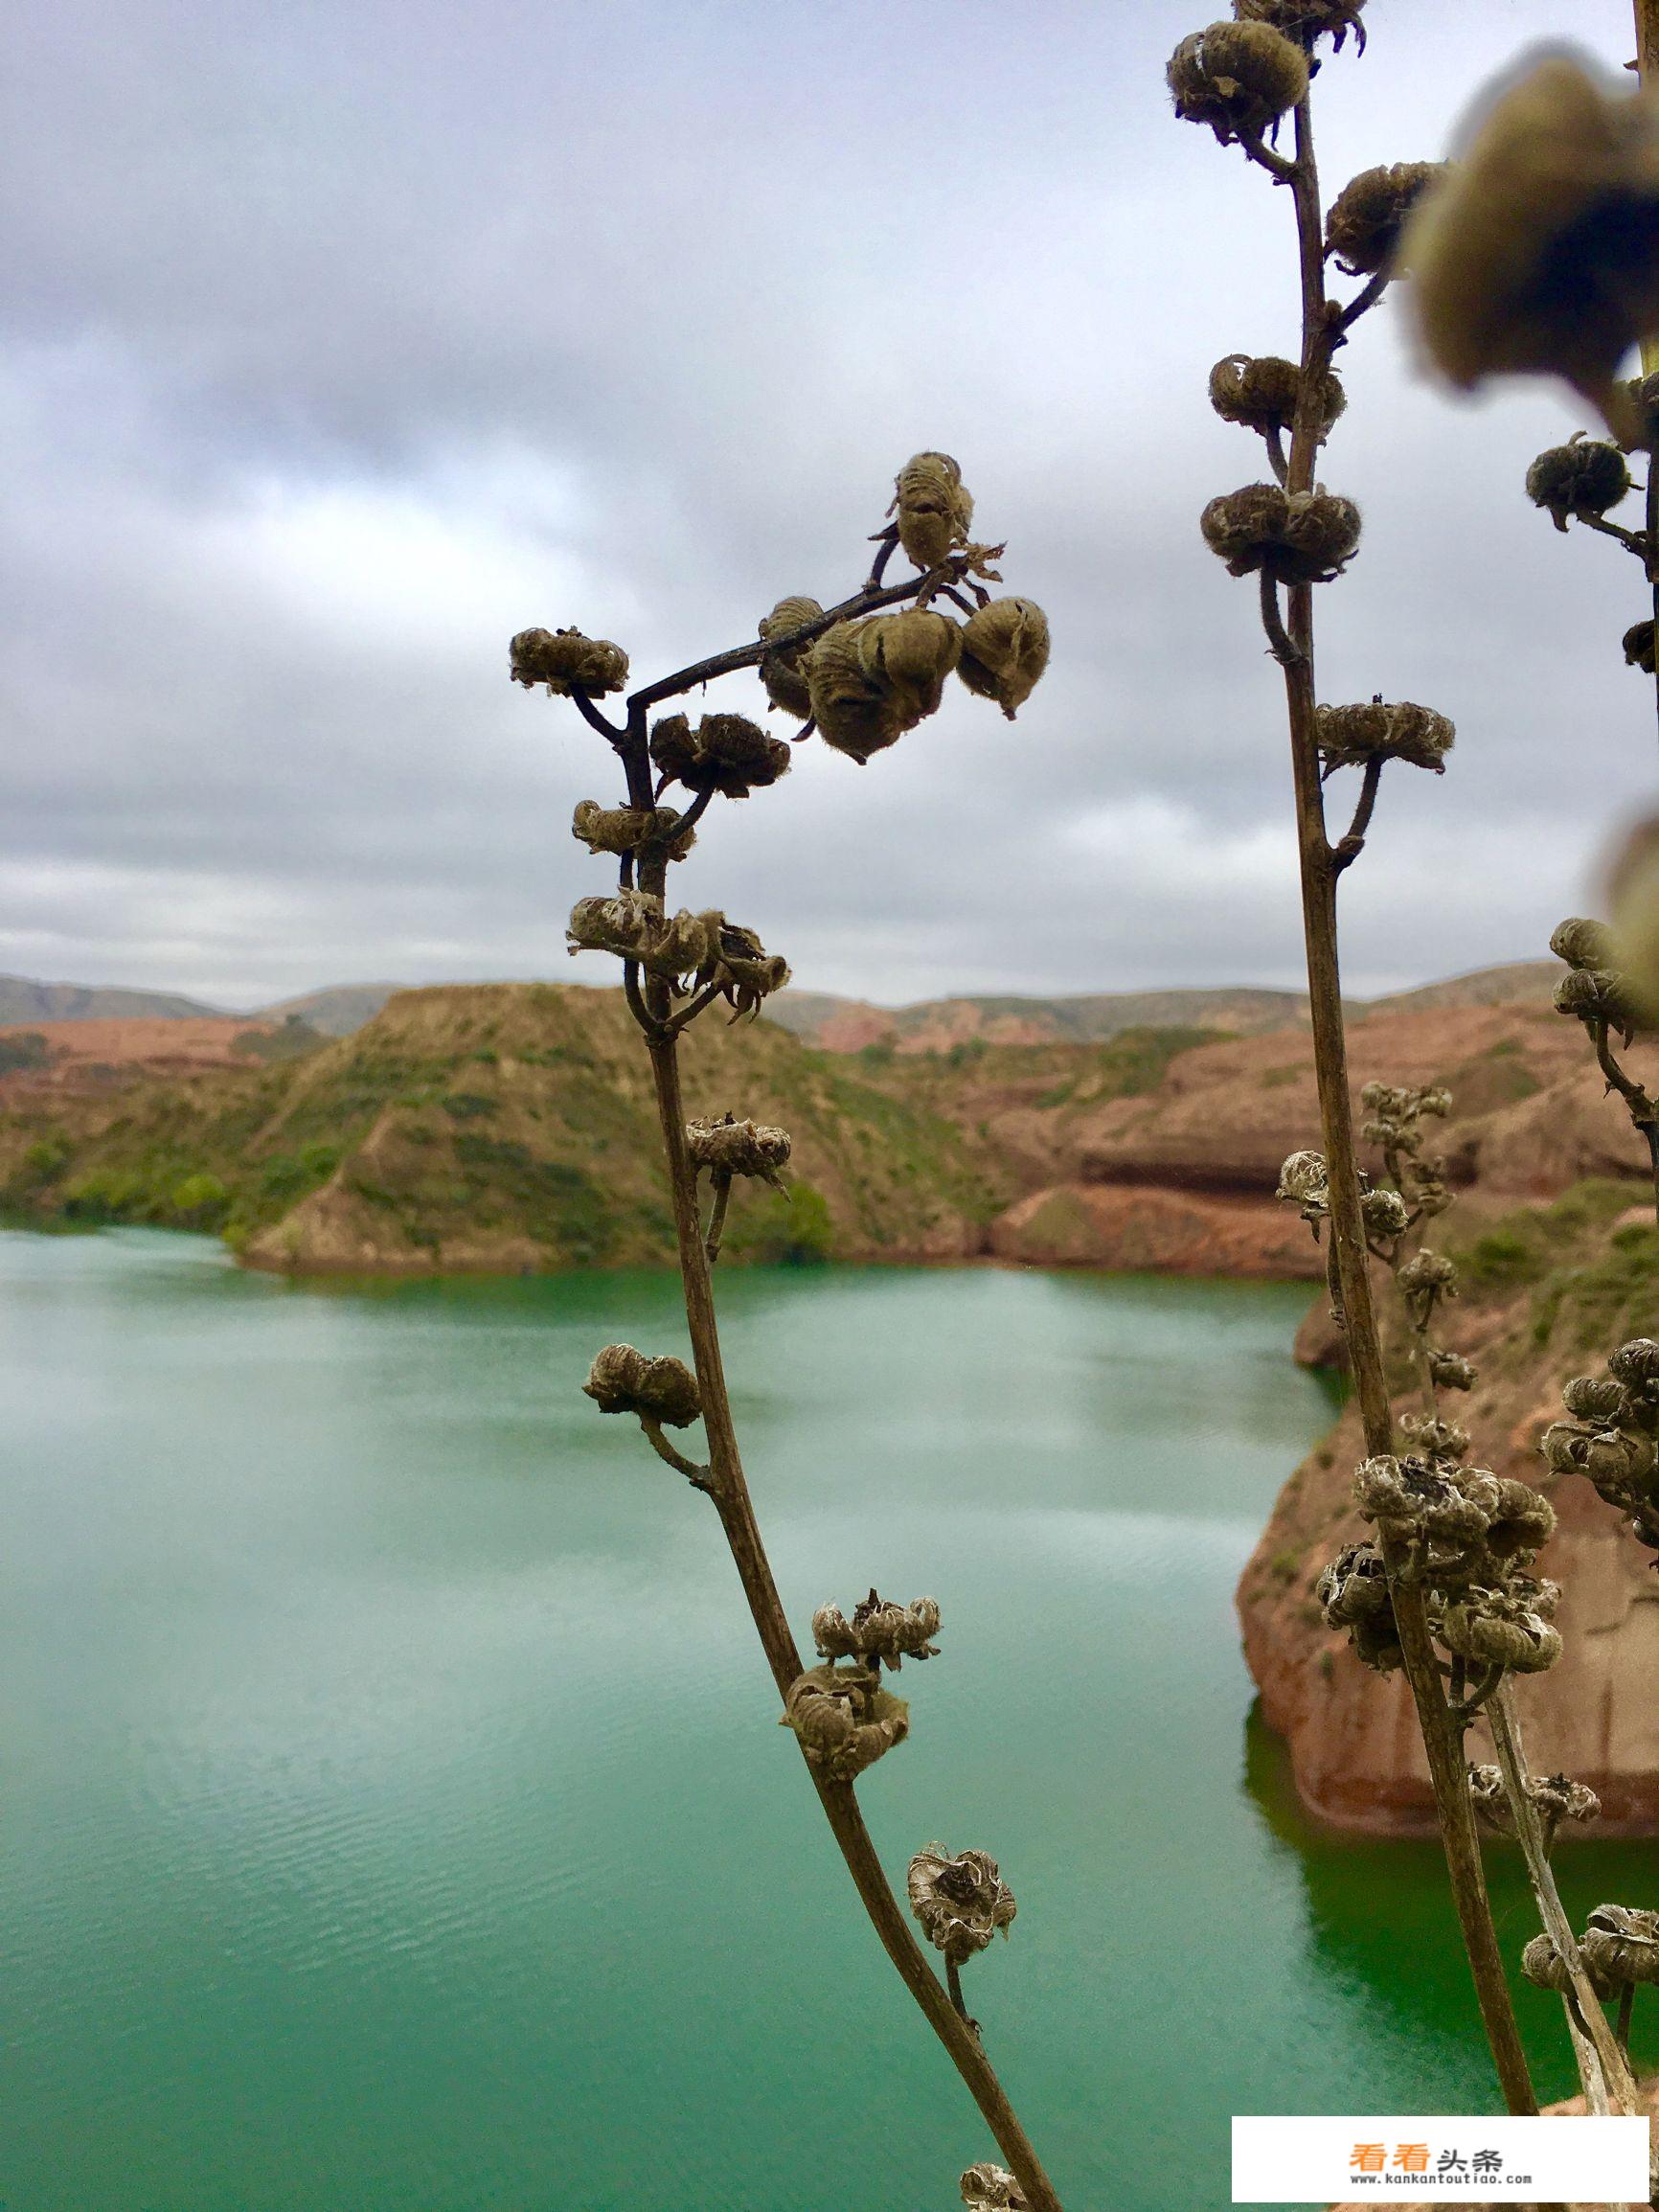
[(565, 662), (1543, 1966), (1304, 1180), (1369, 215), (1261, 392), (1005, 649), (842, 1723), (1558, 1797), (1297, 536), (1638, 643), (1351, 737), (1584, 478), (739, 964), (878, 1631), (725, 753), (1385, 1214), (1522, 1521), (1308, 19), (1598, 1398), (1636, 1365), (783, 672), (1434, 1437), (1354, 1595), (733, 1147), (1451, 1371), (624, 1381), (1428, 1274), (1596, 995), (1500, 1629), (961, 1901), (1582, 944), (1237, 77), (1621, 1944), (630, 829), (933, 509), (911, 654), (632, 924), (988, 2188), (1540, 250), (857, 713)]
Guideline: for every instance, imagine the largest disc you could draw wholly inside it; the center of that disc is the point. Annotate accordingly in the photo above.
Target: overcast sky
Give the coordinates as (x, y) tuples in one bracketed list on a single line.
[(343, 340)]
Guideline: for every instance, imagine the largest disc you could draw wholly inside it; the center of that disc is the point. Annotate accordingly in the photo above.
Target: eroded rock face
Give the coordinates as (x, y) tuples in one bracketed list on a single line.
[(1130, 1228), (1355, 1746)]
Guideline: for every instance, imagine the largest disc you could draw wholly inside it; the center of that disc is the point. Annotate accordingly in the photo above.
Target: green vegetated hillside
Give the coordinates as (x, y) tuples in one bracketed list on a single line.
[(497, 1126)]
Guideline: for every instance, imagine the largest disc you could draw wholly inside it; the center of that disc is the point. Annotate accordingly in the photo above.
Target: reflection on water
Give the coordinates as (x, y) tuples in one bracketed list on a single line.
[(394, 1810)]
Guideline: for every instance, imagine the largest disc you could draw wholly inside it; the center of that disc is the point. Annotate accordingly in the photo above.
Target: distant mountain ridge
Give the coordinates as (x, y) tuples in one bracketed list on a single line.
[(849, 1024)]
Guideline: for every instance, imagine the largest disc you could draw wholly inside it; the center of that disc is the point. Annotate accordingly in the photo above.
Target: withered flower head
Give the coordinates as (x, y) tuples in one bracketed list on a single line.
[(1636, 1365), (1308, 19), (565, 662), (879, 1630), (1261, 392), (1544, 1965), (733, 1147), (1369, 215), (726, 753), (988, 2188), (1428, 1274), (624, 1381), (1596, 995), (1435, 1437), (1621, 1942), (1582, 944), (1638, 643), (1451, 1371), (1005, 649), (1297, 536), (783, 672), (1539, 249), (630, 829), (960, 1901), (842, 1723), (1584, 478), (934, 511), (739, 964), (633, 925), (857, 713), (1302, 1175), (1238, 78), (1349, 736)]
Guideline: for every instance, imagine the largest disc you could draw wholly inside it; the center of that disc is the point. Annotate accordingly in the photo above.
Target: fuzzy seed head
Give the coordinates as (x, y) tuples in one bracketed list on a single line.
[(1296, 536), (624, 1381), (1260, 393), (1005, 649), (1351, 737), (1238, 78), (784, 672), (933, 510), (726, 753), (1307, 20), (1585, 478), (565, 662), (1369, 215)]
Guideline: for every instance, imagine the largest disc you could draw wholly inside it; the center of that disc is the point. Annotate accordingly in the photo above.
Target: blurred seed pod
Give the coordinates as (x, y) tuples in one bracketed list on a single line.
[(725, 753), (1005, 649), (1633, 890), (1538, 251), (1636, 1365), (1351, 737), (1308, 19), (1582, 942), (1384, 1213), (1558, 1797), (988, 2188), (933, 509), (624, 1381), (1544, 1967), (1437, 1438), (1621, 1944), (1450, 1371), (961, 1901), (1523, 1521), (1596, 995), (565, 662), (1297, 536), (630, 829), (1260, 393), (1584, 478), (733, 1147), (1638, 643), (911, 654), (1237, 77), (1598, 1398), (1303, 1176), (841, 1722), (784, 672), (1369, 215), (857, 713)]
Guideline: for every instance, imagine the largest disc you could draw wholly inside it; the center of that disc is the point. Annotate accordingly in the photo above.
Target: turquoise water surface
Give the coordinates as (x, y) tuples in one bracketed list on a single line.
[(394, 1816)]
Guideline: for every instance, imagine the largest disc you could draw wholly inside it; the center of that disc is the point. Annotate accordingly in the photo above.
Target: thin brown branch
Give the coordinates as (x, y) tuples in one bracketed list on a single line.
[(1362, 302), (1273, 438), (717, 1228), (1279, 642), (1352, 843), (612, 732), (698, 1476), (1263, 155)]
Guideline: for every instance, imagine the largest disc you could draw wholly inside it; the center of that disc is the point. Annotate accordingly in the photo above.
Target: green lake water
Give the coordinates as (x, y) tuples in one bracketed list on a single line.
[(393, 1815)]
